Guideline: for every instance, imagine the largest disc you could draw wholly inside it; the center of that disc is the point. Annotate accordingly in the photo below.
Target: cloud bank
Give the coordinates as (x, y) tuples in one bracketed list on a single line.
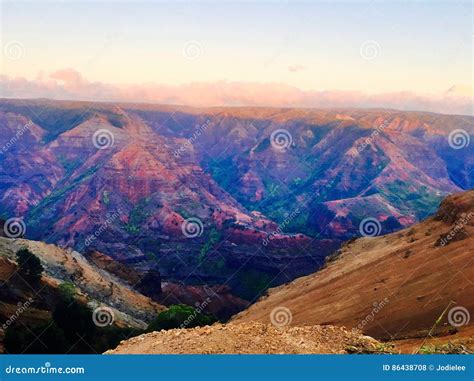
[(69, 84)]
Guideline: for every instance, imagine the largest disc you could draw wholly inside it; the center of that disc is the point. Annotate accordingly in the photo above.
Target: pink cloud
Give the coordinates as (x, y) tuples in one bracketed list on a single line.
[(70, 84), (69, 77)]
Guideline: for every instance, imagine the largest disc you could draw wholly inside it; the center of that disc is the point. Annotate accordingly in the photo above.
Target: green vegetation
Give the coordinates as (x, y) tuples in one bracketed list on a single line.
[(151, 256), (73, 317), (68, 165), (184, 213), (436, 324), (381, 348), (57, 195), (71, 330), (273, 189), (277, 202), (29, 266), (296, 183), (137, 217), (67, 290), (445, 349), (213, 237), (105, 197), (423, 201), (225, 173), (180, 316)]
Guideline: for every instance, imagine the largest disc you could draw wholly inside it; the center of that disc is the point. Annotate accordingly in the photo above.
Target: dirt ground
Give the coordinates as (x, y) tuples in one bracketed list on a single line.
[(249, 338)]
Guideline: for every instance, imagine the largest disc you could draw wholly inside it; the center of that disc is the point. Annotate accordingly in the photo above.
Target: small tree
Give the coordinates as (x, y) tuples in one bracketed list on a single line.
[(72, 316), (29, 265), (67, 291), (180, 315)]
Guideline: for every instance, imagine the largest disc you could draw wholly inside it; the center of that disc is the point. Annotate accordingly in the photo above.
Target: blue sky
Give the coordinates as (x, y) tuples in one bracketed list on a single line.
[(420, 46)]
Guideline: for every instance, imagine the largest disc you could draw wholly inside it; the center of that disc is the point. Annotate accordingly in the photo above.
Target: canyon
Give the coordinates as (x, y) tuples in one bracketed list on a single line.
[(244, 198)]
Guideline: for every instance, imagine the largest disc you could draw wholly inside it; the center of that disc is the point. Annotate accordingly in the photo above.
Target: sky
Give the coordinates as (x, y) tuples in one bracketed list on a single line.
[(424, 47)]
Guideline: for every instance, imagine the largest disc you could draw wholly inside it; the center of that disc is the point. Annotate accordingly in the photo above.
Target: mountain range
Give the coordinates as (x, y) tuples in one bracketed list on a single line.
[(245, 197)]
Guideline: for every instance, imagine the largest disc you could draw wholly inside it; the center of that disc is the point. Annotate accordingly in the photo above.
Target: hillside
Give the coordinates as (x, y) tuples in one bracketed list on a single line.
[(391, 287), (94, 286)]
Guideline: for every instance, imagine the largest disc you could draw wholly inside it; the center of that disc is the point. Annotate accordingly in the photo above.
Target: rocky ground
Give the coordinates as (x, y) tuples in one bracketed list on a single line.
[(251, 338)]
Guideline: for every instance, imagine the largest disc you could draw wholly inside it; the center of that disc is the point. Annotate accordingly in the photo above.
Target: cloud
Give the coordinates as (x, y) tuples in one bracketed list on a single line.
[(69, 77), (70, 84)]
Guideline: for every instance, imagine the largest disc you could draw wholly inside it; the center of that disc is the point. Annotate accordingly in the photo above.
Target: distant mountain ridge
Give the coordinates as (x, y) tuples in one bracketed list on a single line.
[(271, 192)]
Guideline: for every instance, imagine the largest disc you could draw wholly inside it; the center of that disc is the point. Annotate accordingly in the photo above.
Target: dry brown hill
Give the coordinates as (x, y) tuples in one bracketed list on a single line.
[(391, 287)]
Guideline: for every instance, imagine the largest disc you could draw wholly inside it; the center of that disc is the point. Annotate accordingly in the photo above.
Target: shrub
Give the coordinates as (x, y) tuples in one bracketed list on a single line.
[(180, 316), (447, 348), (29, 266), (73, 317), (67, 291)]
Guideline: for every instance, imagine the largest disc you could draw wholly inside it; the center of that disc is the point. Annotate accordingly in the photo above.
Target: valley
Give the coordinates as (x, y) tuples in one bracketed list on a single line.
[(204, 196)]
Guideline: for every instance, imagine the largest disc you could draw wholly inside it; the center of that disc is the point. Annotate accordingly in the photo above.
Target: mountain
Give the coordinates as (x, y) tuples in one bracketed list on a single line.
[(243, 197), (391, 287)]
